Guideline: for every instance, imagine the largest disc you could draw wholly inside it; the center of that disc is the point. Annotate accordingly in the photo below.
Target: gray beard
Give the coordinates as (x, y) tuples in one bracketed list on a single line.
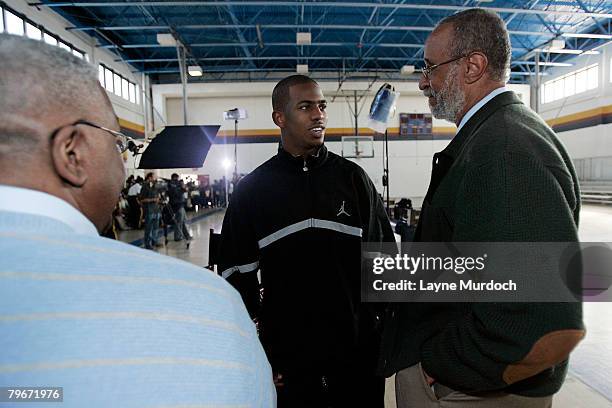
[(450, 99)]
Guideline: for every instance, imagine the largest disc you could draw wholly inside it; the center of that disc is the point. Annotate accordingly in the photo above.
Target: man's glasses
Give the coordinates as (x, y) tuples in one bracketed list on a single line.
[(122, 140), (427, 70)]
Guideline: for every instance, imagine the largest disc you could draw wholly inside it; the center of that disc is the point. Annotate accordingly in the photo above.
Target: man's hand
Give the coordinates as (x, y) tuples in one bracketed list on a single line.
[(278, 380), (428, 379)]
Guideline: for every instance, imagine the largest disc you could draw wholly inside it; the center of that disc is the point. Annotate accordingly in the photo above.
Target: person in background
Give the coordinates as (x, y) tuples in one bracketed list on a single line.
[(104, 320), (149, 199), (176, 194), (134, 209)]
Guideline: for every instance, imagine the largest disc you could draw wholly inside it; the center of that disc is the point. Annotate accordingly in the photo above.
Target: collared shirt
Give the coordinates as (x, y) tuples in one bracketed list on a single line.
[(23, 200), (479, 105), (134, 190)]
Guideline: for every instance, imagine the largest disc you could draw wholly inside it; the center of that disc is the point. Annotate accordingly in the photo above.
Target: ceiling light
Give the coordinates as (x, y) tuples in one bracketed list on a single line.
[(568, 51), (166, 40), (557, 44), (302, 68), (303, 39), (406, 70), (194, 70)]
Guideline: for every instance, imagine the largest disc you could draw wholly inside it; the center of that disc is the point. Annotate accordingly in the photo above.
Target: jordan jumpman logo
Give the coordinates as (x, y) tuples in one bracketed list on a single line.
[(342, 211)]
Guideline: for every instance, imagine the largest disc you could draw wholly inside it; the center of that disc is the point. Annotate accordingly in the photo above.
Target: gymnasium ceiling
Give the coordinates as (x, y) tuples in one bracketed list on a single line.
[(256, 40)]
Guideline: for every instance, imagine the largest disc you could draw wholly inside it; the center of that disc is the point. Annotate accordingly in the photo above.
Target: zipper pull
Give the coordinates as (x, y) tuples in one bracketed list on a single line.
[(305, 168)]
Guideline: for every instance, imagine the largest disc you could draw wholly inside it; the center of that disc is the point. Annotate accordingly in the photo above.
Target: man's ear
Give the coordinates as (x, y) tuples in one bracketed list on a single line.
[(279, 119), (67, 152), (476, 67)]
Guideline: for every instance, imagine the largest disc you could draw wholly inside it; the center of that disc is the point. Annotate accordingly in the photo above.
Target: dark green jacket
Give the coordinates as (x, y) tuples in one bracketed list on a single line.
[(504, 177)]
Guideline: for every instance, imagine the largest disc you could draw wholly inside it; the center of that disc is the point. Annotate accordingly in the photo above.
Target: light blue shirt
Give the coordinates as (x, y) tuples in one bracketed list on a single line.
[(479, 105), (116, 325), (26, 201)]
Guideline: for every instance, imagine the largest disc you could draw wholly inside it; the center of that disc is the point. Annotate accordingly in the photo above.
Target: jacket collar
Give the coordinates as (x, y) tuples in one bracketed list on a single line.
[(461, 139), (312, 162)]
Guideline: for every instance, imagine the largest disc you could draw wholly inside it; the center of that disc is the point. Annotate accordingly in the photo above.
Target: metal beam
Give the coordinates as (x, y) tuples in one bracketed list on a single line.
[(548, 64), (327, 58), (245, 49), (306, 27), (584, 7), (270, 44), (275, 58), (429, 7)]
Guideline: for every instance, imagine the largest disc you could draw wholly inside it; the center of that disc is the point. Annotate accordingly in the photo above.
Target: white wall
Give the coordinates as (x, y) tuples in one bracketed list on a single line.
[(409, 161)]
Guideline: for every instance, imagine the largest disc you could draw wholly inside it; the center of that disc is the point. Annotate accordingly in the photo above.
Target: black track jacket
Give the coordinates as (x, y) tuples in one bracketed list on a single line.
[(302, 223)]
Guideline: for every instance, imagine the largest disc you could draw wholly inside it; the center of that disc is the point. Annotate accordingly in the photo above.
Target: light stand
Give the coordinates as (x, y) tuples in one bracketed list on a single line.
[(381, 109), (385, 178), (235, 114), (235, 150)]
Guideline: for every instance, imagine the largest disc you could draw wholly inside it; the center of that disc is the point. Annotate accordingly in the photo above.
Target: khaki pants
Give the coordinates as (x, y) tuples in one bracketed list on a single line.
[(412, 391)]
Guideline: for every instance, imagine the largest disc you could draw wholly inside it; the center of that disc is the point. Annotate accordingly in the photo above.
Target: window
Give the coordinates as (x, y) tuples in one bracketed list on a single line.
[(65, 46), (101, 75), (108, 80), (49, 39), (117, 78), (558, 89), (132, 92), (33, 32), (117, 84), (125, 89), (570, 84), (592, 77), (14, 23), (581, 79)]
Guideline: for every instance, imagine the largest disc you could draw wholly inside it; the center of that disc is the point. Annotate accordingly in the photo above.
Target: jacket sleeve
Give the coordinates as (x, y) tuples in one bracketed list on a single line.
[(377, 227), (239, 252), (510, 198)]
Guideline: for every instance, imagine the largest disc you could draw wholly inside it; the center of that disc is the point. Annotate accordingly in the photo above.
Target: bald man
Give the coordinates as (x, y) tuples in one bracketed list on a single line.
[(106, 321)]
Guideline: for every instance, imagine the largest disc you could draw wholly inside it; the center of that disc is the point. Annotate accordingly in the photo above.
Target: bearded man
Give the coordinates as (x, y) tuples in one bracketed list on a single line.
[(504, 177)]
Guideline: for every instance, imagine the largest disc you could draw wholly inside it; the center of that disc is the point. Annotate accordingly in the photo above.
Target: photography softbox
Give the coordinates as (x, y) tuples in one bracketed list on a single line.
[(179, 147)]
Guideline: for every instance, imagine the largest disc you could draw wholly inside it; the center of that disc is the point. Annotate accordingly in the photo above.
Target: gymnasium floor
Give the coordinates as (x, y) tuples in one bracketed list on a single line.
[(589, 384)]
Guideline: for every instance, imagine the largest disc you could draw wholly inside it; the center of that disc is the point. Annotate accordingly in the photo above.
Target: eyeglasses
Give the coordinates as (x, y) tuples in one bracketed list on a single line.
[(122, 140), (429, 69)]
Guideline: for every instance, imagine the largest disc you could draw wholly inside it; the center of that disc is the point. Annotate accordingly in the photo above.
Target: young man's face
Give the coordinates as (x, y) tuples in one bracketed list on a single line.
[(304, 119)]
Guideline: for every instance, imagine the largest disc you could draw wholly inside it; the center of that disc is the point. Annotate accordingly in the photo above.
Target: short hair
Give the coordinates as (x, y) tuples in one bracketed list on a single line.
[(149, 175), (39, 80), (174, 176), (483, 31), (280, 94)]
